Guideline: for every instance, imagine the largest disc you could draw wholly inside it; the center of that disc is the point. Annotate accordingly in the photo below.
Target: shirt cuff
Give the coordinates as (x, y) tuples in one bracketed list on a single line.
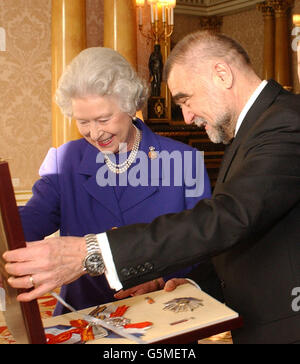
[(111, 272)]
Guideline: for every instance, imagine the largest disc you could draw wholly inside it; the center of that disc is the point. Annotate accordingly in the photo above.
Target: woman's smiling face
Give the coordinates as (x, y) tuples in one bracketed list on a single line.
[(101, 122)]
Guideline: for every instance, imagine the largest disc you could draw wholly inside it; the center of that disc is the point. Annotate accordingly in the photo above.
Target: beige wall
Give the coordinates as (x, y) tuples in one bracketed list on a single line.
[(25, 72)]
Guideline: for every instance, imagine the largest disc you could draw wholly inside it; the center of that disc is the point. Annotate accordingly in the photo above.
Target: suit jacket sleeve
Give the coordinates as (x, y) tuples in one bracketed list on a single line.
[(261, 187)]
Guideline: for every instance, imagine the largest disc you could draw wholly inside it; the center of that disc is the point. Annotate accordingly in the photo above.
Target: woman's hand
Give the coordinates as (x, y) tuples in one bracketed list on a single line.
[(45, 265)]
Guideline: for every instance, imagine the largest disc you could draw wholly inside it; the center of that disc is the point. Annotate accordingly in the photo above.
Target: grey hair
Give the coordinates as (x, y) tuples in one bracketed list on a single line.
[(102, 72), (205, 45)]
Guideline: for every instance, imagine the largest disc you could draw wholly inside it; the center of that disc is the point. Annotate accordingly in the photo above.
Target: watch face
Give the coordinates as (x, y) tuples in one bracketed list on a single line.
[(94, 264)]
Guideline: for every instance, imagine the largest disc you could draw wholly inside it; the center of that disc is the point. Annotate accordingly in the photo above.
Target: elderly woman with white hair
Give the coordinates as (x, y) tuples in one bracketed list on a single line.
[(104, 180)]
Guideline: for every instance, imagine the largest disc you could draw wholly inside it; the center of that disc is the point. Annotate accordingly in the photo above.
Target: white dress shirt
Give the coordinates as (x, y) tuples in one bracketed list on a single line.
[(111, 273), (248, 105)]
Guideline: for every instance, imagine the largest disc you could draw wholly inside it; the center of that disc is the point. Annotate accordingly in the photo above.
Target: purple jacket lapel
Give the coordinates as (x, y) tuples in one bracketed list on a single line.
[(134, 195), (103, 194)]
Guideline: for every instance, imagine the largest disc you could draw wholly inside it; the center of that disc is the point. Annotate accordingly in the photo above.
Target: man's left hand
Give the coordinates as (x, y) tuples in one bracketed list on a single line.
[(45, 265)]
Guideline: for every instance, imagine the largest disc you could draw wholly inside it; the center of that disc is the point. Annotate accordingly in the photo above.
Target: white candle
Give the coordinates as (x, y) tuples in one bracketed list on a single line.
[(156, 13), (152, 17), (163, 14), (172, 17)]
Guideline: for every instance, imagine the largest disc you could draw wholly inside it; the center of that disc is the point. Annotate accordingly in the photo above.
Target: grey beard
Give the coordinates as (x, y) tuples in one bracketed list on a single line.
[(221, 132), (200, 122)]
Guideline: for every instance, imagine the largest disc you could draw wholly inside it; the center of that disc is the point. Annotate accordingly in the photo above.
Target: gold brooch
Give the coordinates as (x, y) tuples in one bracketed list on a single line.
[(152, 153)]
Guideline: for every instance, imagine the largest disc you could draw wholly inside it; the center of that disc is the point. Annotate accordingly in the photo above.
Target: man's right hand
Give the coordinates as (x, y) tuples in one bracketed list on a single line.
[(171, 284)]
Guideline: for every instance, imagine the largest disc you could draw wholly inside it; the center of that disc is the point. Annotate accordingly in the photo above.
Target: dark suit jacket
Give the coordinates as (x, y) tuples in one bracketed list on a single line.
[(251, 226)]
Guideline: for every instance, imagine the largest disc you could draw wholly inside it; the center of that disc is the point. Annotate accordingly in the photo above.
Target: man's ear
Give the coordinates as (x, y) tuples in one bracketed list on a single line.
[(223, 75)]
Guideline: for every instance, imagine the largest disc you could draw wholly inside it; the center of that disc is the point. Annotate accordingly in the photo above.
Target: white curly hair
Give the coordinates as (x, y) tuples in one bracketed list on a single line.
[(103, 72)]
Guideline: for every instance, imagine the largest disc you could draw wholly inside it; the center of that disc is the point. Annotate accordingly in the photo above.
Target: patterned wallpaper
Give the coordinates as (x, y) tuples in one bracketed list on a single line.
[(25, 82), (246, 27), (25, 72), (25, 86), (240, 27)]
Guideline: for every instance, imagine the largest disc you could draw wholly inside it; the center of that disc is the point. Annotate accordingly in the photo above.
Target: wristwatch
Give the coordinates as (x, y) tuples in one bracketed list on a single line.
[(93, 263)]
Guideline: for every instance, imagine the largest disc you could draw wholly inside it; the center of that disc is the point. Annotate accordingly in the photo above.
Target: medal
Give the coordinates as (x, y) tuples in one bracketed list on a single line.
[(152, 153), (183, 304), (149, 300), (118, 321)]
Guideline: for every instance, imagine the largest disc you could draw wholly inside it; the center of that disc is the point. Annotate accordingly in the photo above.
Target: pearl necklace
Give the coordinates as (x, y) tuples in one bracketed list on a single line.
[(122, 167)]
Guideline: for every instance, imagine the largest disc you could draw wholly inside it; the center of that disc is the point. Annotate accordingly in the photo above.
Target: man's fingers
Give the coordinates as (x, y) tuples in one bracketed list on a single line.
[(139, 292), (119, 295), (34, 294), (24, 254), (171, 284), (51, 263), (23, 268), (21, 282), (123, 294)]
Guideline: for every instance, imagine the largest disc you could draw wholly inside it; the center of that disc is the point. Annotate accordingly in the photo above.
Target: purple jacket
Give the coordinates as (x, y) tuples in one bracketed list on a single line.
[(68, 198)]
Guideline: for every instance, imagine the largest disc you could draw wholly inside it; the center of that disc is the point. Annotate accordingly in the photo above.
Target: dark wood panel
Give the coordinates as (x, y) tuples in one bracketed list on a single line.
[(12, 237)]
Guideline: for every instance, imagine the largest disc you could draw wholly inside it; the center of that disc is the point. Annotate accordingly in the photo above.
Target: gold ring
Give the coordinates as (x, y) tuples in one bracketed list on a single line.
[(31, 280)]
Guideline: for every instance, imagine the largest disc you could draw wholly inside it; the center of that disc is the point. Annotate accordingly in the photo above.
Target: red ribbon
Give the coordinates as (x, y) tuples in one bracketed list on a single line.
[(119, 311), (138, 325), (85, 333)]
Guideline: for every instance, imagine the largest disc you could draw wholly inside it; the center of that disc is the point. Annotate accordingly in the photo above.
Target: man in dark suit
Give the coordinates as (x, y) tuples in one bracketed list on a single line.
[(251, 225)]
